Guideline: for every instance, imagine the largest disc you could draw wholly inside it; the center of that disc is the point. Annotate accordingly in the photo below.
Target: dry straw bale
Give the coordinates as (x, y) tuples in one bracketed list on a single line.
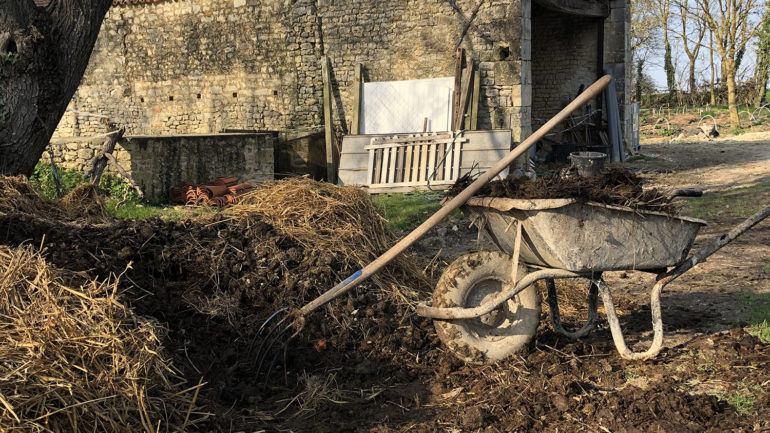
[(76, 359), (82, 202), (341, 220)]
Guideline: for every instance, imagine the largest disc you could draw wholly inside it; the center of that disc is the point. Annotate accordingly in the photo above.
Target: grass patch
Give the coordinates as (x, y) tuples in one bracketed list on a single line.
[(406, 211), (738, 202), (737, 131), (742, 400), (757, 314), (43, 182), (114, 190)]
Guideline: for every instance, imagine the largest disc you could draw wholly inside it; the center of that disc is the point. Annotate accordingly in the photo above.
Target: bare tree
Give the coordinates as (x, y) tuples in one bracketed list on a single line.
[(693, 50), (731, 23), (763, 57), (44, 50), (663, 14)]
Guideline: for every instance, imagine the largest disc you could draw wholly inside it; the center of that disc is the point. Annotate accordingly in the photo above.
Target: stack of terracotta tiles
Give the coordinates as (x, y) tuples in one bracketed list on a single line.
[(222, 191)]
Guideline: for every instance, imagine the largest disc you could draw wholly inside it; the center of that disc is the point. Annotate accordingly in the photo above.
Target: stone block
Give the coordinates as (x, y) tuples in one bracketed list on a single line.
[(507, 73)]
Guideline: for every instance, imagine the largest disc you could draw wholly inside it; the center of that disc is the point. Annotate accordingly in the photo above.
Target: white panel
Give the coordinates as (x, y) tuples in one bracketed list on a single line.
[(402, 106)]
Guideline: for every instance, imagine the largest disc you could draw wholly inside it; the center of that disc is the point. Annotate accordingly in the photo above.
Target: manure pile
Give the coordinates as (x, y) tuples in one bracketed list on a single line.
[(198, 290), (613, 186)]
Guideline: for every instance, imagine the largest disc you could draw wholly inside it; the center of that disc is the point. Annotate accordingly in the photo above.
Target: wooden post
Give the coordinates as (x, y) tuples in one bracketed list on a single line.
[(466, 123), (465, 89), (475, 100), (458, 86), (357, 84), (331, 169)]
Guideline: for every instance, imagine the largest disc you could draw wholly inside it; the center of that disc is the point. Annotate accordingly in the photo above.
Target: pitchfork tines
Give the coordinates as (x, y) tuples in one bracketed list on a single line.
[(275, 337)]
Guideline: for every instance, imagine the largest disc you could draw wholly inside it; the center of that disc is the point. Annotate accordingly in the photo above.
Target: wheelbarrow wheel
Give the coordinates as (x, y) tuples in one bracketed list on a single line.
[(468, 282)]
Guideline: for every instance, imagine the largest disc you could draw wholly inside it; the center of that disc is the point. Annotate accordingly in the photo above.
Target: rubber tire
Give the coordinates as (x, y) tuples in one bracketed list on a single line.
[(466, 283)]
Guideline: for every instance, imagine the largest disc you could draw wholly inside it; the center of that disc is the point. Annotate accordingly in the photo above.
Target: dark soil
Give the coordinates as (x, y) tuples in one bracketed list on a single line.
[(612, 186), (367, 362)]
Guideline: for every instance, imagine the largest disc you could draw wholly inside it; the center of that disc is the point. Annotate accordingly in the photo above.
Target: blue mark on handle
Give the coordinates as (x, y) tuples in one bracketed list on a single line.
[(350, 279)]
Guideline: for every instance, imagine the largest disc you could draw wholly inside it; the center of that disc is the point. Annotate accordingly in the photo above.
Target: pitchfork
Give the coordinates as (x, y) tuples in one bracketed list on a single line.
[(275, 332)]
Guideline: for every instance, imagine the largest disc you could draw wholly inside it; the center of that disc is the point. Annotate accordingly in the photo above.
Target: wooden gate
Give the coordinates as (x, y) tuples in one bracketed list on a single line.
[(414, 160)]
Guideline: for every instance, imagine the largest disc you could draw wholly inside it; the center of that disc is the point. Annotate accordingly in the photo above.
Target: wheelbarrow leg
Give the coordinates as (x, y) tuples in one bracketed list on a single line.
[(617, 332), (553, 305)]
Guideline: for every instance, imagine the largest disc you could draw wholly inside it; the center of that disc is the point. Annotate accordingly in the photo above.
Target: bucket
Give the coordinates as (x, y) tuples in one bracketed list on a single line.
[(588, 163)]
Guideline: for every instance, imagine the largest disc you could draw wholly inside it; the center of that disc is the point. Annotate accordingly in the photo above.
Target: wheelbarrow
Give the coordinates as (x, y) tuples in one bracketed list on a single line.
[(486, 303), (542, 259)]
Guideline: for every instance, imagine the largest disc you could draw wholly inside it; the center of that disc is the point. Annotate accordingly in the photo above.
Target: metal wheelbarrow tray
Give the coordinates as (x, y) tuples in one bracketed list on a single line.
[(585, 237)]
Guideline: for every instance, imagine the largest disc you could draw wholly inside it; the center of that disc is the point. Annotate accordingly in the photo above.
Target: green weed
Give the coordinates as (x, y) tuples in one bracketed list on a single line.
[(737, 131)]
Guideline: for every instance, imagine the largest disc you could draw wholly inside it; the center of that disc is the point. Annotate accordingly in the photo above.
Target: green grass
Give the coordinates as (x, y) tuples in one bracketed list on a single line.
[(42, 181), (738, 202), (741, 400), (757, 314), (111, 187), (406, 211), (737, 131)]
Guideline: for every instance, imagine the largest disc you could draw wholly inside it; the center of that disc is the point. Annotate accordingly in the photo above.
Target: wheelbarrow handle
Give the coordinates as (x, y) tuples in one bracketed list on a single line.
[(687, 192), (458, 200), (715, 245)]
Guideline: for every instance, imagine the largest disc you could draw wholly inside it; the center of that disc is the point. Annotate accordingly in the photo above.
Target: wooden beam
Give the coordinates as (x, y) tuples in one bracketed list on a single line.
[(458, 85), (357, 89), (331, 169), (475, 100), (465, 89)]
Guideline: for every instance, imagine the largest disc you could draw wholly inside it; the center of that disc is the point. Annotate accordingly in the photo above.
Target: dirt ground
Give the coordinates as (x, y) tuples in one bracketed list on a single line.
[(368, 363)]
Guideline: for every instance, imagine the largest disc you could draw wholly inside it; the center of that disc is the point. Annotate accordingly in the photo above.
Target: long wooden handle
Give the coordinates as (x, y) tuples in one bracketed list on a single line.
[(460, 199)]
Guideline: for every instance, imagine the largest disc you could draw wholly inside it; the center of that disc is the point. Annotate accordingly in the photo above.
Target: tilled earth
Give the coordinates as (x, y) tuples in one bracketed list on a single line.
[(368, 363)]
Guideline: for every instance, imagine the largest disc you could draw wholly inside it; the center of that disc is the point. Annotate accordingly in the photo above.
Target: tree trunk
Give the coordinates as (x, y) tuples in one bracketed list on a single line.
[(713, 99), (44, 53), (731, 102)]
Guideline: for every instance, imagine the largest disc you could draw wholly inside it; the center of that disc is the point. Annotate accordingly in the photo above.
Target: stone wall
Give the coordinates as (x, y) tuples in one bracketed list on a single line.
[(207, 66), (564, 58), (159, 163)]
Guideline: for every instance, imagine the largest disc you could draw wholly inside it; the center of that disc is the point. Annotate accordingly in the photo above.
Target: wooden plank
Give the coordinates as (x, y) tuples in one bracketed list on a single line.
[(378, 165), (385, 165), (431, 162), (331, 169), (387, 189), (468, 108), (394, 154), (416, 163), (425, 161), (370, 168), (397, 164), (409, 138), (408, 163), (357, 85), (459, 55), (458, 150), (465, 89), (447, 155), (475, 100)]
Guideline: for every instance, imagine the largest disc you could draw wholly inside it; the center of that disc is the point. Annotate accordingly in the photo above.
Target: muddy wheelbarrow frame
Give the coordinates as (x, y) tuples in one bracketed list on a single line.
[(598, 238)]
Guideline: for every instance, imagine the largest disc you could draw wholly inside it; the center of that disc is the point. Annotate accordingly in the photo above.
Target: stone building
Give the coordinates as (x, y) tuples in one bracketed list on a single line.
[(171, 67)]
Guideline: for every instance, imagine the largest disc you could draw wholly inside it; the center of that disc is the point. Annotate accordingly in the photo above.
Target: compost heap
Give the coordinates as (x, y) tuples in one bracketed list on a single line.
[(613, 186), (365, 362)]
